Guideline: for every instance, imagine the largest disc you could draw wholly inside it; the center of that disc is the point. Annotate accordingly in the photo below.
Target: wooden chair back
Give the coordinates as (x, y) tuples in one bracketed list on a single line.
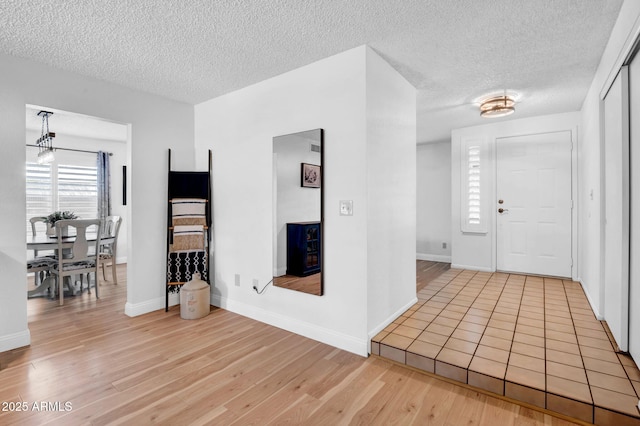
[(34, 220), (108, 250), (82, 256)]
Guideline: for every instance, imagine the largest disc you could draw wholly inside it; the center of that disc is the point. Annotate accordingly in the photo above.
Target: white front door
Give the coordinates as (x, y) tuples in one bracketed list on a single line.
[(534, 204)]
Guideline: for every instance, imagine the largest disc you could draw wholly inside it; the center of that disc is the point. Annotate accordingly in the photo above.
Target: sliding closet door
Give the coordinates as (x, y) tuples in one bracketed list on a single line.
[(634, 158), (616, 250)]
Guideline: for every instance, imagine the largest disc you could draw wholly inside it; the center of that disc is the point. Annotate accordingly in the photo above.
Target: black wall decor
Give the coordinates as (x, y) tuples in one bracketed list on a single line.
[(124, 185)]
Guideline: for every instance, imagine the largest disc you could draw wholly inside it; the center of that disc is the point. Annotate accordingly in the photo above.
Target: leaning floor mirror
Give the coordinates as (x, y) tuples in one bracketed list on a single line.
[(298, 237)]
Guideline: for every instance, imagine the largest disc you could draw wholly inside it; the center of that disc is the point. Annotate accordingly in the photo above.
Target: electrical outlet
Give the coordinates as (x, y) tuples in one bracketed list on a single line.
[(237, 280), (444, 245), (346, 207)]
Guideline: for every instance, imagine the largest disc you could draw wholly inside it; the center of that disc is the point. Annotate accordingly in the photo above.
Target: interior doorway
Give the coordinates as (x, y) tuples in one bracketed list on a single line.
[(69, 180), (533, 183)]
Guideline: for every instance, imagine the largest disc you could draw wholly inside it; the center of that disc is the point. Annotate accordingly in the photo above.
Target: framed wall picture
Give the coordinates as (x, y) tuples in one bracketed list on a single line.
[(310, 175)]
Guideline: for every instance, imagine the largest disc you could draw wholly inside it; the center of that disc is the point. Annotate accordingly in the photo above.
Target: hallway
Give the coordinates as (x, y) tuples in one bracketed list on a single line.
[(528, 338)]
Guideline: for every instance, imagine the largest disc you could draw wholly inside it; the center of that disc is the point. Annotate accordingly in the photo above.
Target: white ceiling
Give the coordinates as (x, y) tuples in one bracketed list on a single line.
[(454, 52)]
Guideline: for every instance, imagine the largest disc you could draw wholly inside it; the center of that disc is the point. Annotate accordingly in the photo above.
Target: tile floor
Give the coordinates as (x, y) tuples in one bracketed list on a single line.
[(529, 338)]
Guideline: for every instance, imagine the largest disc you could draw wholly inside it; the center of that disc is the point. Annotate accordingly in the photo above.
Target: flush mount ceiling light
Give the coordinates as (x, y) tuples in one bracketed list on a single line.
[(45, 141), (498, 106)]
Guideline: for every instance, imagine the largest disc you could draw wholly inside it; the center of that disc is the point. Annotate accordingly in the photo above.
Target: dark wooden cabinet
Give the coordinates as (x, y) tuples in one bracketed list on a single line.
[(304, 241)]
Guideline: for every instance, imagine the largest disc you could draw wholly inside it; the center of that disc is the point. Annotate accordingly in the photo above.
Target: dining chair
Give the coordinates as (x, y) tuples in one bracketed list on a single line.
[(34, 231), (80, 256), (108, 248), (40, 265)]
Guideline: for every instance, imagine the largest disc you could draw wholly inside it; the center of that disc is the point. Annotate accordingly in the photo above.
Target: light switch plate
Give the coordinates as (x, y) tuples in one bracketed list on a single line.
[(346, 207)]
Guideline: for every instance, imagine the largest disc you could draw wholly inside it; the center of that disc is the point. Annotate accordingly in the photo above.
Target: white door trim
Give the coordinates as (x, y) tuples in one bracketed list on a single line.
[(573, 130), (566, 257), (616, 312)]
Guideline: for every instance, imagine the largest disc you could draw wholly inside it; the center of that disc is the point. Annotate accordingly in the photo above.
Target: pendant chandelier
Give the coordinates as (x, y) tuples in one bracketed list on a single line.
[(45, 142), (498, 106)]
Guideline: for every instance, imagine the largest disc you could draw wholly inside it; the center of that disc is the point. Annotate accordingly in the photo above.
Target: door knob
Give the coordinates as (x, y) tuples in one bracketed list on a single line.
[(501, 210)]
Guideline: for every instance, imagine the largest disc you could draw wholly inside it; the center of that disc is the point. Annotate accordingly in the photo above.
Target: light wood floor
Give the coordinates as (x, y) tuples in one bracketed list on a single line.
[(223, 369), (427, 270), (311, 284)]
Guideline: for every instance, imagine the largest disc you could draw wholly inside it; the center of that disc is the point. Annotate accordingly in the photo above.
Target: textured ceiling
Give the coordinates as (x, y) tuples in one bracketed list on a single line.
[(454, 52)]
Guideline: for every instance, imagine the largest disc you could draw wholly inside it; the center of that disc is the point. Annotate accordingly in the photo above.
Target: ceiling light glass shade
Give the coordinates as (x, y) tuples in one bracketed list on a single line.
[(45, 156), (499, 106)]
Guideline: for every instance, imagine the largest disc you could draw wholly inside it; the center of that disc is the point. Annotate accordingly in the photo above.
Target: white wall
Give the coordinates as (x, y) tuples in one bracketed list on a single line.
[(590, 191), (116, 161), (155, 125), (391, 197), (590, 161), (433, 213), (239, 127), (478, 251)]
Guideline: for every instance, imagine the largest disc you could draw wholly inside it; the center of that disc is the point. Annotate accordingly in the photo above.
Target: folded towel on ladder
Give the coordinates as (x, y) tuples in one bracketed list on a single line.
[(188, 238), (188, 211)]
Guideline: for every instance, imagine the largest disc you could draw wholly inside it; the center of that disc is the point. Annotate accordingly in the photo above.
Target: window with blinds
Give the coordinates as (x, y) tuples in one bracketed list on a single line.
[(473, 185), (78, 190), (473, 162), (52, 187), (39, 192)]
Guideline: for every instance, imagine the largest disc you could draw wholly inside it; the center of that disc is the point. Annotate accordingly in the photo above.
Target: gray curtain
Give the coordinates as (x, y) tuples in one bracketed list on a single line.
[(104, 185)]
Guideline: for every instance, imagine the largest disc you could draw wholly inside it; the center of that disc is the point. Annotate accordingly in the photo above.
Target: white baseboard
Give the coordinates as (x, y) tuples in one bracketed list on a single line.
[(594, 308), (120, 260), (294, 325), (433, 257), (472, 268), (135, 309), (389, 320), (15, 340)]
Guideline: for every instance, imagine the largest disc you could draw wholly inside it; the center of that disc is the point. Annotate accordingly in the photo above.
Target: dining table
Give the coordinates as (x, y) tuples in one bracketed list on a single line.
[(43, 242)]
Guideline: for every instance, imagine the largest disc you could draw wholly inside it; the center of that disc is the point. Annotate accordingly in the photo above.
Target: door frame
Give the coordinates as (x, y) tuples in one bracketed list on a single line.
[(573, 130), (625, 208)]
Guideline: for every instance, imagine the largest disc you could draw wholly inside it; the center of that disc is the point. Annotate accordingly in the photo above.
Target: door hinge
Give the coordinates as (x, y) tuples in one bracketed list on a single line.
[(571, 205)]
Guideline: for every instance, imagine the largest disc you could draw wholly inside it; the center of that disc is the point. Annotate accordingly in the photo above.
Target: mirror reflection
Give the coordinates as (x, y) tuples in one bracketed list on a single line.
[(297, 201)]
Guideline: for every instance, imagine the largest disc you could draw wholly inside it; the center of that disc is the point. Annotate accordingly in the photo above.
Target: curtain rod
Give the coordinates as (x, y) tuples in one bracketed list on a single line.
[(71, 149)]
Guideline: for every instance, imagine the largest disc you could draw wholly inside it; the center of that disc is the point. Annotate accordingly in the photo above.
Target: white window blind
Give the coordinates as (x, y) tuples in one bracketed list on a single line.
[(473, 191), (78, 190), (51, 187), (474, 187), (39, 192)]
